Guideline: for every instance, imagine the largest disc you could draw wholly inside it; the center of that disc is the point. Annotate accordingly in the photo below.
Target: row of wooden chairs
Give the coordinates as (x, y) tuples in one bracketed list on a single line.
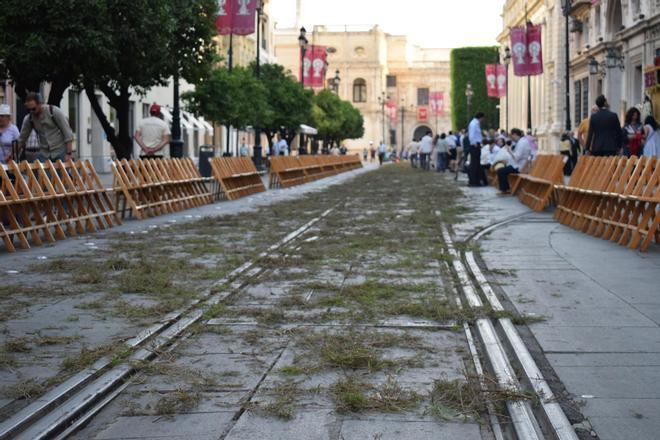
[(615, 198), (287, 171), (237, 176), (45, 202), (156, 187), (536, 189)]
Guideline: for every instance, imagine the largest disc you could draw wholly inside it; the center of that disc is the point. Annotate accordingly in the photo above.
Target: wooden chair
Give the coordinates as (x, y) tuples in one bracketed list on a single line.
[(536, 189), (237, 176)]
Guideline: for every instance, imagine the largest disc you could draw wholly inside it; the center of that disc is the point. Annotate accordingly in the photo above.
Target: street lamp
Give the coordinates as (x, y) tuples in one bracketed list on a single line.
[(302, 41), (382, 99), (507, 62), (335, 82), (469, 93)]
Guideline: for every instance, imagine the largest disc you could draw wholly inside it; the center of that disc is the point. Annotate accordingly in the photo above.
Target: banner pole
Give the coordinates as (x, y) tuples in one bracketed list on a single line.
[(529, 79)]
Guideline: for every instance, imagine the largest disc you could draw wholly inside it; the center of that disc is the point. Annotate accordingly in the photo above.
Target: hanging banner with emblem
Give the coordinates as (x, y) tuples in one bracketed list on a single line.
[(437, 101), (526, 50), (236, 17), (315, 66)]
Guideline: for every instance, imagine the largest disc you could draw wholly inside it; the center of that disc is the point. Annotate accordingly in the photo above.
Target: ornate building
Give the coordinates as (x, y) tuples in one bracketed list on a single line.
[(376, 68)]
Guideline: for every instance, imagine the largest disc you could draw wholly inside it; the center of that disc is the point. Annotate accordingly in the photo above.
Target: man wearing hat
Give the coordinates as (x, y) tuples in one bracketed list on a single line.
[(8, 134), (153, 135)]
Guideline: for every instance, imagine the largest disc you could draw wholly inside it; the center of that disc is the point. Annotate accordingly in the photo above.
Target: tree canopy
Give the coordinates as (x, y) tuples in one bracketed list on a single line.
[(335, 119)]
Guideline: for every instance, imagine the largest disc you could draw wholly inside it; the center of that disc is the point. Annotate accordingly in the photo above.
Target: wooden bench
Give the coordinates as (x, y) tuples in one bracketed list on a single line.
[(50, 201), (615, 198), (238, 177), (153, 187), (536, 189)]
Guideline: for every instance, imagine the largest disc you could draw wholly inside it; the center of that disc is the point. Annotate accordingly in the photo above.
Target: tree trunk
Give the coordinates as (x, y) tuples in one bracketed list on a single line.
[(57, 89), (121, 139), (124, 148)]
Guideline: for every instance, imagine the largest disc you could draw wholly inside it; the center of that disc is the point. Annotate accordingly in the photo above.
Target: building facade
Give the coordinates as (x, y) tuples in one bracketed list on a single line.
[(612, 43), (375, 69)]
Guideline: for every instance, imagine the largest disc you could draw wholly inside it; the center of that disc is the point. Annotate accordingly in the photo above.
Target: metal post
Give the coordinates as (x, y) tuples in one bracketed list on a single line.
[(568, 67), (230, 67), (382, 110), (403, 117), (256, 151), (176, 144), (507, 98), (529, 81)]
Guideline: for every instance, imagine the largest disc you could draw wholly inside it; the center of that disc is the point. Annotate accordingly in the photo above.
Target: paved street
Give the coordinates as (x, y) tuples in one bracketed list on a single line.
[(349, 328)]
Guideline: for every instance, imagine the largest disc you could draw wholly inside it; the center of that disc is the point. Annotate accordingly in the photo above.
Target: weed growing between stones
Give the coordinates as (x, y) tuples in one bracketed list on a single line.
[(178, 401), (353, 396)]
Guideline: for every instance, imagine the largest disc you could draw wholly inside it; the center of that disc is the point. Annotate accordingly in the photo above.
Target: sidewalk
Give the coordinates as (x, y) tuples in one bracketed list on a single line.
[(602, 304)]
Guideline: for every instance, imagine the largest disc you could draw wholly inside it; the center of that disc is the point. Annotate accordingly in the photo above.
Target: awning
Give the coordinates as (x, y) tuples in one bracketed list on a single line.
[(167, 117), (194, 121), (306, 129), (208, 126)]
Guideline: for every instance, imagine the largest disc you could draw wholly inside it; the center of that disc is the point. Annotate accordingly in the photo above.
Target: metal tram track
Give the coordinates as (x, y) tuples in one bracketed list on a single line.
[(70, 405), (506, 352)]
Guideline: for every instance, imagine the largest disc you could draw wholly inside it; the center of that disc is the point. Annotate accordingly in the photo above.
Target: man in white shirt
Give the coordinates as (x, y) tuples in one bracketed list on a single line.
[(475, 135), (153, 134), (425, 149), (382, 150), (413, 150), (281, 147), (517, 161)]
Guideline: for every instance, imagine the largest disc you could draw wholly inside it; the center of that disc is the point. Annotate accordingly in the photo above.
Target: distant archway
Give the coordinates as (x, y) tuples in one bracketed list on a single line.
[(614, 17), (421, 131)]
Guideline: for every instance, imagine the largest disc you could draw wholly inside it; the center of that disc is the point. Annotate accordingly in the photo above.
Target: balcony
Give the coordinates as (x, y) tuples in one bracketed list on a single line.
[(580, 8)]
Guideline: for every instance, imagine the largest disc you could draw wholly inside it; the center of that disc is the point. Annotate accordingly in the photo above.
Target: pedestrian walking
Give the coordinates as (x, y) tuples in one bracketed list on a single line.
[(281, 146), (153, 134), (583, 129), (413, 152), (382, 151), (372, 151), (633, 133), (52, 128), (441, 151), (517, 159), (9, 135), (365, 154), (475, 135), (425, 149), (244, 151), (605, 136)]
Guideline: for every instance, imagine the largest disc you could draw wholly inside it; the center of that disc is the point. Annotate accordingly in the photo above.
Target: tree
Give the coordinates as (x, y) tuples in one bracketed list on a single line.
[(468, 65), (114, 46), (289, 103), (51, 41), (233, 98), (336, 120)]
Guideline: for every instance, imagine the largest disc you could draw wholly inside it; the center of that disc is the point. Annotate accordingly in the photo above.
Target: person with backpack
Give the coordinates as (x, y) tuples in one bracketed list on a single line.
[(52, 128)]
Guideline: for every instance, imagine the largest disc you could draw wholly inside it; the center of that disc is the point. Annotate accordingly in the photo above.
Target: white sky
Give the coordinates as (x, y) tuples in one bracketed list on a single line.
[(430, 23)]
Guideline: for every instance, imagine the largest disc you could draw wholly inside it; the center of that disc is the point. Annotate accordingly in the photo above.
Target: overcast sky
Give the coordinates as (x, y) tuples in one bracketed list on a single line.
[(431, 23)]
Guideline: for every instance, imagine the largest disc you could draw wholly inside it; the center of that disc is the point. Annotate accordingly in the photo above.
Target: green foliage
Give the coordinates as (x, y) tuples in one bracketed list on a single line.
[(335, 119), (468, 65), (234, 98)]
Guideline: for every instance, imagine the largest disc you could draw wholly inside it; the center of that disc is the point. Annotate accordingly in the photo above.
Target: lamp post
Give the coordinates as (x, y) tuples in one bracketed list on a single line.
[(507, 62), (176, 144), (256, 151), (382, 99), (335, 83), (567, 73), (469, 93), (302, 42)]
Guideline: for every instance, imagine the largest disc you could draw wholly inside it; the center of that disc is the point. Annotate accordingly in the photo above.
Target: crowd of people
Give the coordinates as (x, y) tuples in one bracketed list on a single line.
[(475, 150)]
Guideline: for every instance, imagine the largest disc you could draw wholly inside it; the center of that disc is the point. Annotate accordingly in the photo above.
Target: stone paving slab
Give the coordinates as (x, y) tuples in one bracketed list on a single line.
[(407, 430)]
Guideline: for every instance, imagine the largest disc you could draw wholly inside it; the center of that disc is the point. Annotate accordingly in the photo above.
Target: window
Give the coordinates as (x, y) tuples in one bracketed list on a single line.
[(423, 96), (391, 80), (145, 111), (637, 84), (74, 98), (359, 90), (636, 9), (578, 101), (585, 98), (264, 37), (597, 20)]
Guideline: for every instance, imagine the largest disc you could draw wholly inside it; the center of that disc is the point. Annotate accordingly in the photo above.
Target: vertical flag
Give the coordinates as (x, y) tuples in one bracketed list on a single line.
[(392, 112), (315, 66), (502, 78), (437, 102), (491, 80), (236, 17), (526, 50)]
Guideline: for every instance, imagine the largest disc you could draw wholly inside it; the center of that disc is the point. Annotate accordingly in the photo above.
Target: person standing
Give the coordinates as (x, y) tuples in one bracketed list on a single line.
[(372, 151), (8, 135), (153, 134), (425, 149), (605, 136), (281, 147), (583, 129), (476, 140), (517, 161), (52, 128), (652, 132), (382, 150), (365, 154), (413, 152), (244, 151), (441, 150), (633, 133)]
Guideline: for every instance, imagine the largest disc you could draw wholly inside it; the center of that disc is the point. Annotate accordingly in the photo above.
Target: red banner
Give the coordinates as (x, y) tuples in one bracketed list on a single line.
[(526, 50), (422, 114), (491, 80), (236, 17), (437, 101), (315, 66), (391, 110), (502, 78)]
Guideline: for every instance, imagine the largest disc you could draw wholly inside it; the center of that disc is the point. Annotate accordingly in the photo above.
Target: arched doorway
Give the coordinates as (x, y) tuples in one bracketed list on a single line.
[(421, 131), (614, 18)]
